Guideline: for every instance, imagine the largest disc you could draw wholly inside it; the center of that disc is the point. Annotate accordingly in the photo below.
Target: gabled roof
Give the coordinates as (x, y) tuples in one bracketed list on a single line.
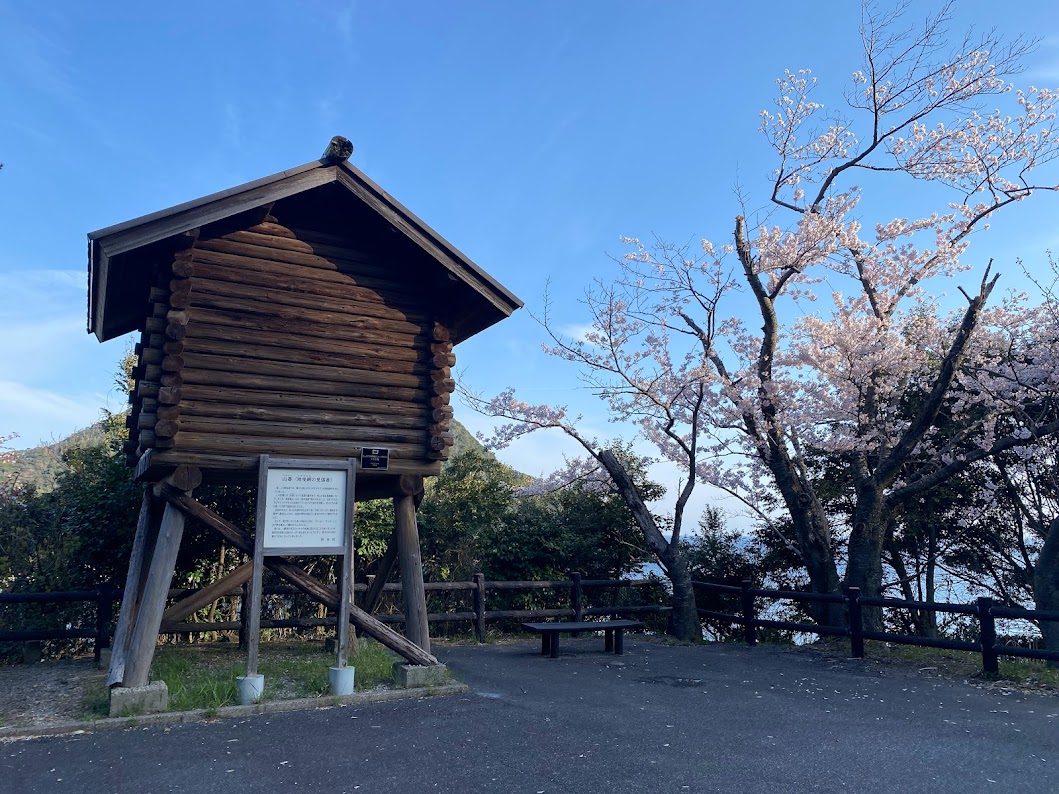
[(120, 256)]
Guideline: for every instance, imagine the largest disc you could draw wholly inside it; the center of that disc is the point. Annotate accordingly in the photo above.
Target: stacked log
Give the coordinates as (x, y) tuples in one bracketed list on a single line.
[(291, 342), (442, 361), (155, 395)]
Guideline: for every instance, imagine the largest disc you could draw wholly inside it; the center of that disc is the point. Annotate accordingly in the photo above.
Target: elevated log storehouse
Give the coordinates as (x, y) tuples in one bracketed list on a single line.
[(304, 315)]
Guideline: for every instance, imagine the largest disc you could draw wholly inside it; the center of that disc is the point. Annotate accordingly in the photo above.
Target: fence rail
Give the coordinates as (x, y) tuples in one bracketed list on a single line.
[(104, 597), (984, 609)]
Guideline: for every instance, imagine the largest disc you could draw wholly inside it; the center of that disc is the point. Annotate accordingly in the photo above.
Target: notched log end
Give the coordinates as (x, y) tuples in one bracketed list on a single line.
[(337, 151)]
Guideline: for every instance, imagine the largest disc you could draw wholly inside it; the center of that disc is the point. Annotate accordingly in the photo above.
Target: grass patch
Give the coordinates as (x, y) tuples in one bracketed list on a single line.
[(95, 704), (203, 676), (1022, 673)]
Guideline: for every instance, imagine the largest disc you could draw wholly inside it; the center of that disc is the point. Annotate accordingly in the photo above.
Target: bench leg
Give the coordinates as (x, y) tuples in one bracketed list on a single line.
[(555, 644), (619, 642), (608, 640), (546, 644)]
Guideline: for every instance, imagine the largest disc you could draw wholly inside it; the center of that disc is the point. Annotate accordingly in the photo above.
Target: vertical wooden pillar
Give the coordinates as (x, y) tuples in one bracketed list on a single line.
[(143, 634), (145, 631), (416, 628), (135, 580)]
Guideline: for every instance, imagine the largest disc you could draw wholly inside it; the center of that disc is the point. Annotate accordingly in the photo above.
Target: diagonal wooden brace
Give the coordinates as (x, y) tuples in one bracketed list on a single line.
[(228, 585), (299, 578)]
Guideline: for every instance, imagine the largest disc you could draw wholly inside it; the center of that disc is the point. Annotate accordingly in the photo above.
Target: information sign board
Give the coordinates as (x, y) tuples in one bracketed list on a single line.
[(305, 509)]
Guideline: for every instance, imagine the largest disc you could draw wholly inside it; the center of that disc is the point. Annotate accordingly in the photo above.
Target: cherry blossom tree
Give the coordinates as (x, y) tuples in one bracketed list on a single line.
[(903, 392)]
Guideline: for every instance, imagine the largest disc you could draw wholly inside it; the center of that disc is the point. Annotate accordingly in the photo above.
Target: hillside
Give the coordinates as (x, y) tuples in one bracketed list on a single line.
[(40, 466)]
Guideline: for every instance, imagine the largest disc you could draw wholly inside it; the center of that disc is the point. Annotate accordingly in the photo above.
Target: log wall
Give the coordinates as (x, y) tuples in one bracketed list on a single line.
[(290, 342)]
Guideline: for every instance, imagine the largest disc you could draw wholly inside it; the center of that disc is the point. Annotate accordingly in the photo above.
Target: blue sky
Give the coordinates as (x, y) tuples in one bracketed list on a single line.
[(531, 135)]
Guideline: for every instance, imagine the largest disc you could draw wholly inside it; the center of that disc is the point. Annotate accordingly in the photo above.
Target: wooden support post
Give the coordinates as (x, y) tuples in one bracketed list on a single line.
[(244, 616), (414, 593), (253, 623), (145, 632), (345, 589), (142, 549)]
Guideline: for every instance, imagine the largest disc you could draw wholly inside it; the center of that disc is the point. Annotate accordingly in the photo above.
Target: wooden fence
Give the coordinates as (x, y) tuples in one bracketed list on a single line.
[(479, 615), (104, 597), (984, 609)]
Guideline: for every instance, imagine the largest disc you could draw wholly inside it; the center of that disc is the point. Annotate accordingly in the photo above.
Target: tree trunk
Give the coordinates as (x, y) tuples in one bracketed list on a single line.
[(684, 619), (1046, 586), (864, 566), (813, 533)]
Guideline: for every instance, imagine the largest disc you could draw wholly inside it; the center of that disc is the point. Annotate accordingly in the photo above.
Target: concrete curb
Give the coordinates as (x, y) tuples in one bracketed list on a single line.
[(230, 712)]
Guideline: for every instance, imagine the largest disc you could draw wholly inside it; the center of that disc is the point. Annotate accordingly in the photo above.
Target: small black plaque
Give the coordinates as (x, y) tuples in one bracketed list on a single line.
[(375, 458)]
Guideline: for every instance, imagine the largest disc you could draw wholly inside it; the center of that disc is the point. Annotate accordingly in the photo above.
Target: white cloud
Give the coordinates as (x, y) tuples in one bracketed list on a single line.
[(33, 350), (42, 293), (38, 415)]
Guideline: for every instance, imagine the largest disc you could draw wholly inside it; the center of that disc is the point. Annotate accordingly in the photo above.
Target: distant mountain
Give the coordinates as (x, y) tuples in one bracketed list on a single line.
[(465, 441), (40, 466)]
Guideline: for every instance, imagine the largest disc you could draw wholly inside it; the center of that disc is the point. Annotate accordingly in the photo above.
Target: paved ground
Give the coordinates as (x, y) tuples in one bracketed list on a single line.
[(719, 718)]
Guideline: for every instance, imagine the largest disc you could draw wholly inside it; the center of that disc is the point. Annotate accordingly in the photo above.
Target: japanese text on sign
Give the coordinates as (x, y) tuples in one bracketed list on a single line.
[(305, 508)]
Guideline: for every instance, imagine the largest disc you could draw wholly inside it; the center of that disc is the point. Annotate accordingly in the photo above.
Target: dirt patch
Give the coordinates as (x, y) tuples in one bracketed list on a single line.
[(49, 692)]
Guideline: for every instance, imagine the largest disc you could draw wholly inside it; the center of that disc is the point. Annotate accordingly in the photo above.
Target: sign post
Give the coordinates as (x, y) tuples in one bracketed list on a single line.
[(303, 507)]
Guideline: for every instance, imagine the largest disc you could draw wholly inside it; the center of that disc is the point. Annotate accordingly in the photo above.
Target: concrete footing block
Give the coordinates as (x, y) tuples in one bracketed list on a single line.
[(250, 688), (411, 676), (130, 701)]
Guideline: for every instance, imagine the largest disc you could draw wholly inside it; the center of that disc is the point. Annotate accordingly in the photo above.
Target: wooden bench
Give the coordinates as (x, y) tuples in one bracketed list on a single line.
[(613, 633)]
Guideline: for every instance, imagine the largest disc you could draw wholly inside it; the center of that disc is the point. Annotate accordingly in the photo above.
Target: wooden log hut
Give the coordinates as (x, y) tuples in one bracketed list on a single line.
[(304, 315)]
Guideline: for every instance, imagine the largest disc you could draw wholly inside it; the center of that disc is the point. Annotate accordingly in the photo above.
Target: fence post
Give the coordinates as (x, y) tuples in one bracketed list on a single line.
[(749, 619), (987, 624), (479, 606), (575, 596), (856, 622), (104, 618)]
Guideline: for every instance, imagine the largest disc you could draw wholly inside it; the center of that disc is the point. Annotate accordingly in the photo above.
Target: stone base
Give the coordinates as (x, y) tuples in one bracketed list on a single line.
[(131, 701), (410, 676)]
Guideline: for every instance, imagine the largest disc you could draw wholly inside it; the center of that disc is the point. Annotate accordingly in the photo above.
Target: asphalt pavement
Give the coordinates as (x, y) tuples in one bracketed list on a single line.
[(718, 718)]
